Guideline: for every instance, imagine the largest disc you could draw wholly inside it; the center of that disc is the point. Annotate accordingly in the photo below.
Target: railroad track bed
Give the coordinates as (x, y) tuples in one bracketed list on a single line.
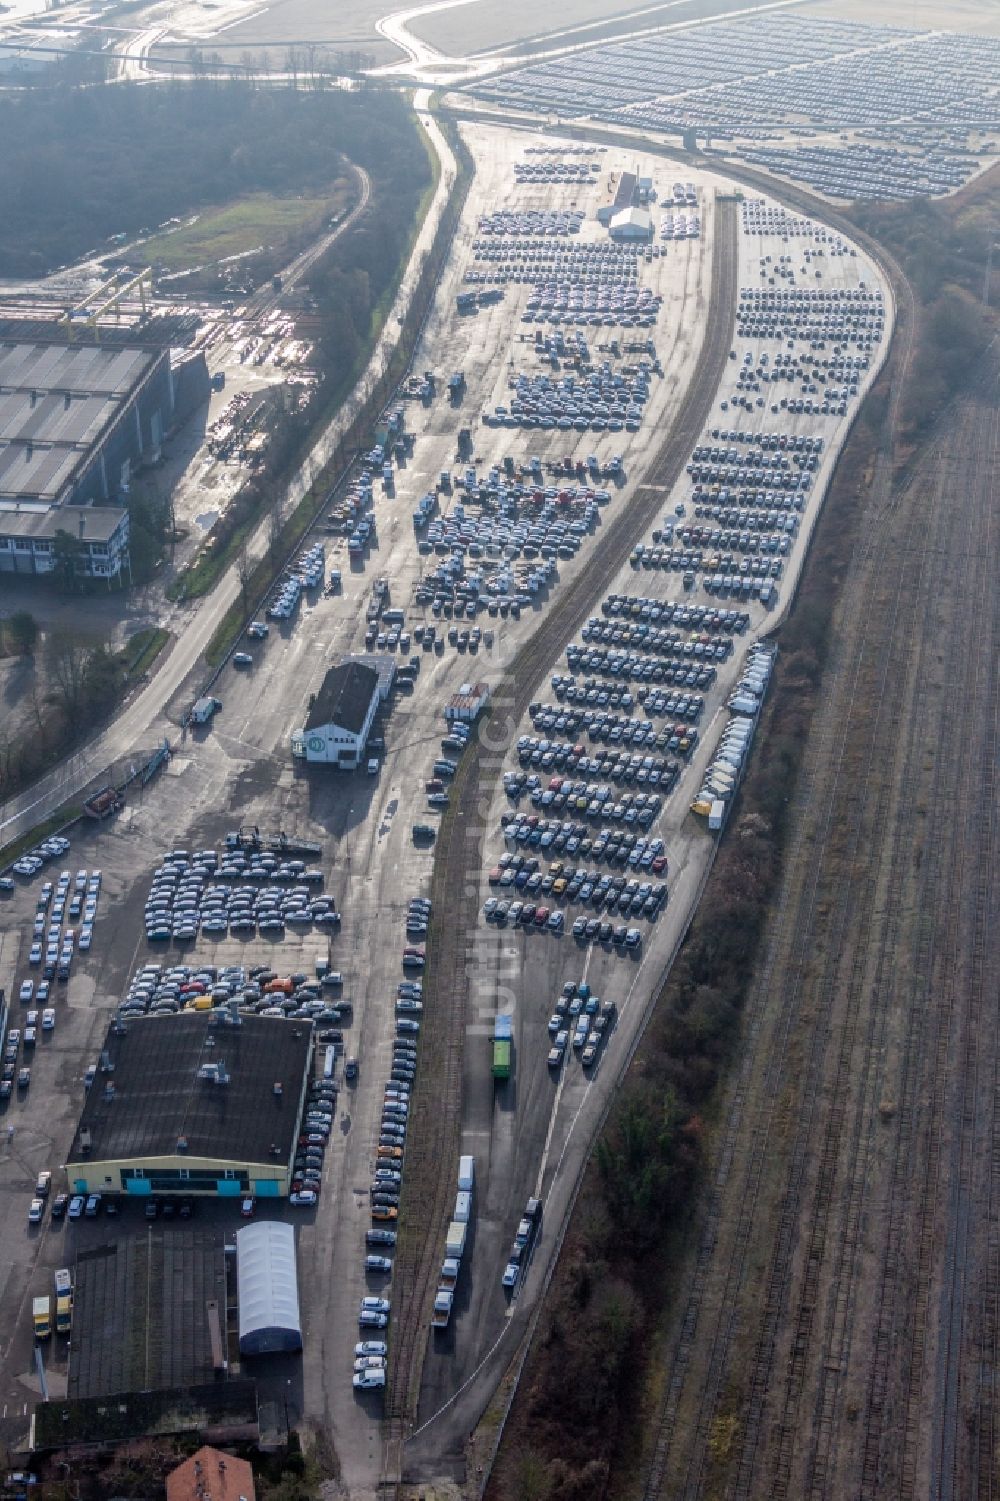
[(841, 1313)]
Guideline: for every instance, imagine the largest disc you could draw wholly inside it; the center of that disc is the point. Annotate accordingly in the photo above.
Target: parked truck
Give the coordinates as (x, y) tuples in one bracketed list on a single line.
[(443, 1303), (64, 1313), (503, 1042), (454, 1243), (41, 1316), (203, 710)]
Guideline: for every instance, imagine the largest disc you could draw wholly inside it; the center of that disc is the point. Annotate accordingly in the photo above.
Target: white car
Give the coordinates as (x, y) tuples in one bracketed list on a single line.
[(26, 992), (304, 1199), (371, 1347), (367, 1319), (35, 1211), (374, 1305), (369, 1380), (378, 1264), (370, 1363), (75, 1209)]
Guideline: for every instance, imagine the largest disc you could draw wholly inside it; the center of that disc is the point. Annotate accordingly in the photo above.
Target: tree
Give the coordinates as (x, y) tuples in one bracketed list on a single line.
[(22, 632), (68, 554), (66, 657), (244, 570)]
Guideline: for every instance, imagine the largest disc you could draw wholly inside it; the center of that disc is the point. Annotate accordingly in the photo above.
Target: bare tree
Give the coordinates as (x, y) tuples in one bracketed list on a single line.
[(66, 657), (275, 522), (244, 569)]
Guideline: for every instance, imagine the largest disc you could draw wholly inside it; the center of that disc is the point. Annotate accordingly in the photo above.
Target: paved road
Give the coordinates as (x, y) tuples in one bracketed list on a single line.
[(193, 625)]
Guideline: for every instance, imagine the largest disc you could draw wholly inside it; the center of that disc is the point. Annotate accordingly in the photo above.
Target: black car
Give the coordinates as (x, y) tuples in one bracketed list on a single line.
[(59, 1204)]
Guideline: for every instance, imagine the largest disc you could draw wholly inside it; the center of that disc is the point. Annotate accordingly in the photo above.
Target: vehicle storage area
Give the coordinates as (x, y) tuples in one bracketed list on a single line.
[(251, 879), (853, 110)]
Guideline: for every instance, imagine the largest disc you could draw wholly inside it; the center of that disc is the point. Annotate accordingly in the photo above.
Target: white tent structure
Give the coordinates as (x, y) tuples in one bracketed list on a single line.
[(268, 1289)]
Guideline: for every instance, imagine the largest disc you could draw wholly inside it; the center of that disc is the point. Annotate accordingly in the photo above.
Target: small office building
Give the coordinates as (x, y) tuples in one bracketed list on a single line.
[(342, 713), (203, 1102)]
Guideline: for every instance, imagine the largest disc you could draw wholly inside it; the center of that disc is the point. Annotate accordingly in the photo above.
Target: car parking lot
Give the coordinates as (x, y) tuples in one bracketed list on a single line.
[(236, 924), (641, 690), (900, 113)]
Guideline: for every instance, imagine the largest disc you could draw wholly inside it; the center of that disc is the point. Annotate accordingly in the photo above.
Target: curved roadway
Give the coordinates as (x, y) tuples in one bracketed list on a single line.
[(193, 625)]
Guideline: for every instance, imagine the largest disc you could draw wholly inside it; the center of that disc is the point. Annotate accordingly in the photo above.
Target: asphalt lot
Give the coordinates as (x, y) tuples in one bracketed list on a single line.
[(531, 1135), (525, 1134)]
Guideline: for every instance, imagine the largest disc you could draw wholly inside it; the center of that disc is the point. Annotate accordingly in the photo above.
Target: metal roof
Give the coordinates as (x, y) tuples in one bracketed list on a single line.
[(268, 1288), (89, 523), (92, 371), (56, 400)]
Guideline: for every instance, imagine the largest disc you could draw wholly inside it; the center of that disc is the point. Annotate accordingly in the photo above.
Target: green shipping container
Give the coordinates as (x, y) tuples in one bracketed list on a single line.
[(501, 1060)]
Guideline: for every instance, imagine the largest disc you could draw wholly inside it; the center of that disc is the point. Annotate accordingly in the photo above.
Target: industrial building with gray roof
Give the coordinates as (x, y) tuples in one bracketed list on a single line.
[(75, 420)]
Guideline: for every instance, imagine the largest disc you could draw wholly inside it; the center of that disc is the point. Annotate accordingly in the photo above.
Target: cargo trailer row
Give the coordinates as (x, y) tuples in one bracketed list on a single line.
[(454, 1247), (724, 773)]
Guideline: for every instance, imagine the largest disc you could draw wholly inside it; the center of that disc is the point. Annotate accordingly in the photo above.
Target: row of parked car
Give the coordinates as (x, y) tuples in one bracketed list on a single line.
[(582, 1020), (556, 172), (308, 573), (35, 859), (387, 1175), (185, 898), (161, 990)]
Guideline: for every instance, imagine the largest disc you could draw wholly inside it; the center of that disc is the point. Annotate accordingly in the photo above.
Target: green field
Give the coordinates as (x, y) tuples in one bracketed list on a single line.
[(260, 221)]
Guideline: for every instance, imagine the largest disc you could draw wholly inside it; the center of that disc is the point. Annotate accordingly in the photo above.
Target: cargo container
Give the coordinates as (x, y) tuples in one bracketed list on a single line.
[(463, 1207), (466, 1173), (716, 814), (455, 1240), (501, 1060)]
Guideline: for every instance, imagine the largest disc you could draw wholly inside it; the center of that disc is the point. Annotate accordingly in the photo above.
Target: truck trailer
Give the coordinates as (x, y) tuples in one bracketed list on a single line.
[(41, 1316), (503, 1042)]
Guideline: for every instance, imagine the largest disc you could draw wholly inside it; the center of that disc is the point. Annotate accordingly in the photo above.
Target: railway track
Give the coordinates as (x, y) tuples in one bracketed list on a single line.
[(436, 1123), (919, 1337), (691, 1330), (821, 1217)]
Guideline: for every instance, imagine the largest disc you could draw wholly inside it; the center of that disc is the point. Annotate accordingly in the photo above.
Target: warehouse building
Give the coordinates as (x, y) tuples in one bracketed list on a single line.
[(150, 1312), (343, 711), (268, 1289), (75, 422), (198, 1103), (632, 224), (624, 194)]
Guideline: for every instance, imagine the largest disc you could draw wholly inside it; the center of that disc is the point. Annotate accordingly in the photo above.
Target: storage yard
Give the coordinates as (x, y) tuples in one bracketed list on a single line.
[(629, 446), (854, 110)]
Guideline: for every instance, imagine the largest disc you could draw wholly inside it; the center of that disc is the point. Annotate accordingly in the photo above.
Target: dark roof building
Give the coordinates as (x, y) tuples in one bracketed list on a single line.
[(344, 697), (341, 715), (194, 1103), (149, 1310)]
